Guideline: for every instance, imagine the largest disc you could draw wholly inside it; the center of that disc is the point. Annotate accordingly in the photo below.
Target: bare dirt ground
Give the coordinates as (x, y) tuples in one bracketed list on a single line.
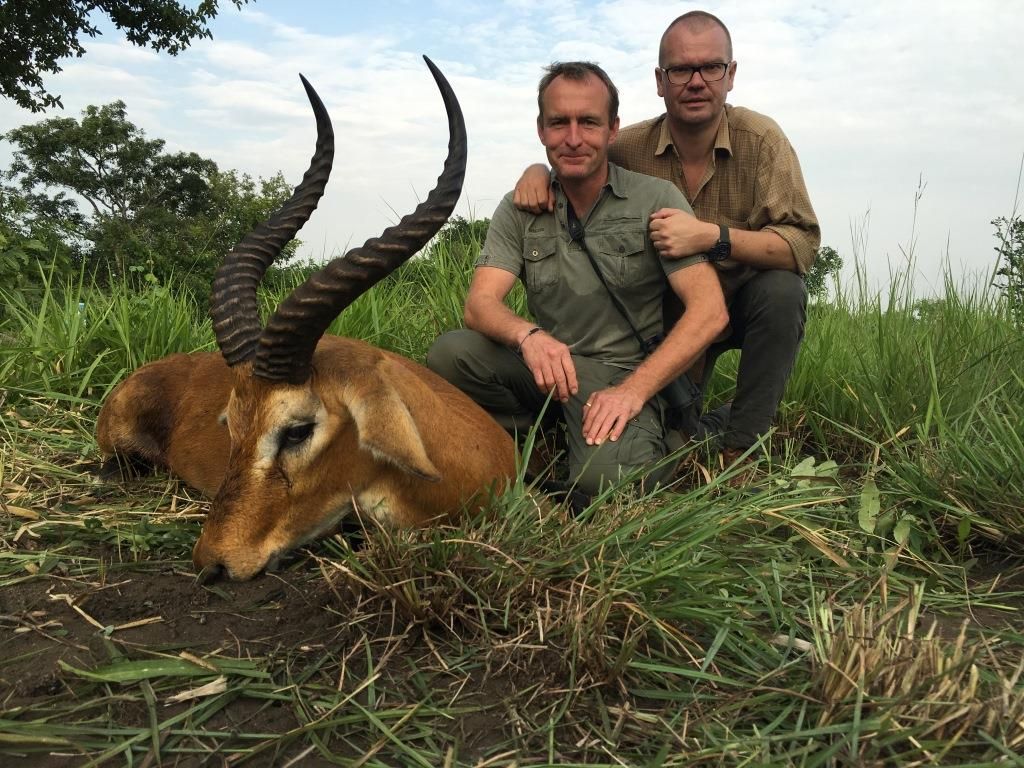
[(69, 620), (98, 578), (297, 626)]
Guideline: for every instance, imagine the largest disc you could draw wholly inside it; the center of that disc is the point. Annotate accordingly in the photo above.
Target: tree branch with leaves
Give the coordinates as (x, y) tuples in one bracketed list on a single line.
[(121, 201), (37, 34)]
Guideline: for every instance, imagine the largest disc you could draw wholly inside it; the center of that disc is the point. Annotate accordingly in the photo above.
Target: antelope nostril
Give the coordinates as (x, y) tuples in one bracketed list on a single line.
[(210, 574)]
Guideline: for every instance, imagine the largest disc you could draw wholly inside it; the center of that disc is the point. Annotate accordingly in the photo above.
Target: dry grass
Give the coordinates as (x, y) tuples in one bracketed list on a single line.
[(676, 629)]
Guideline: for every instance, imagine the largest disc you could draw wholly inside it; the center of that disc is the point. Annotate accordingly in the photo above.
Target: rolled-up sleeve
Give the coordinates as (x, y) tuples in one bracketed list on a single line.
[(503, 246), (781, 202)]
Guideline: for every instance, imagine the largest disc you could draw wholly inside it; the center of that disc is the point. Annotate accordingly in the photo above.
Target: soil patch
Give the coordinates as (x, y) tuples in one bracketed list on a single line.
[(295, 627)]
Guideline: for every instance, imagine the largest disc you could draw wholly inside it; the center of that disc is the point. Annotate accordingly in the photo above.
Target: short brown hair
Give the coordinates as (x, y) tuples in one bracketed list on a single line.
[(697, 20), (578, 70)]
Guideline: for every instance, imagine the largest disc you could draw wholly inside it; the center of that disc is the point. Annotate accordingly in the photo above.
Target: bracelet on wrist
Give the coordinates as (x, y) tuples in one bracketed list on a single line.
[(529, 333)]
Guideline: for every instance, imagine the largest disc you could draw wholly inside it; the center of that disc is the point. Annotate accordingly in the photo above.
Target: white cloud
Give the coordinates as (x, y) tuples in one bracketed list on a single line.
[(872, 95)]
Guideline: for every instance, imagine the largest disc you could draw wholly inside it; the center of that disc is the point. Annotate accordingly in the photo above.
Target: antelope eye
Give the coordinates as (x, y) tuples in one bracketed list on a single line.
[(296, 435)]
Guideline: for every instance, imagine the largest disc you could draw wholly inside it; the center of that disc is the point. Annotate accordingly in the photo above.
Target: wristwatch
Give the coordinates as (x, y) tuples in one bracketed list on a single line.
[(723, 248)]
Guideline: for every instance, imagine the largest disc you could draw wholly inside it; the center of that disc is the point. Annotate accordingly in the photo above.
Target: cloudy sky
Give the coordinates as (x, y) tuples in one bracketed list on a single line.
[(885, 102)]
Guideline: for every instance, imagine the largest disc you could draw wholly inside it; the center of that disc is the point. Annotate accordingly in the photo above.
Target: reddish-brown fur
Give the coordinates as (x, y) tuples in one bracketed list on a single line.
[(155, 416), (287, 438), (390, 438)]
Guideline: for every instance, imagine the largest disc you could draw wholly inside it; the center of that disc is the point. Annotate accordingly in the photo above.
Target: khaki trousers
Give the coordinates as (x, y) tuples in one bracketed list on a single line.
[(498, 380)]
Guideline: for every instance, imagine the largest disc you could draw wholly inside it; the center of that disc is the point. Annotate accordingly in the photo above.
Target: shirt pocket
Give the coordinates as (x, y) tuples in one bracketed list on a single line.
[(621, 256), (539, 262)]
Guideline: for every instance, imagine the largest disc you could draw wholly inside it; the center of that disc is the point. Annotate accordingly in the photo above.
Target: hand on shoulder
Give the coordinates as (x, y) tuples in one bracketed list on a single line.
[(533, 191)]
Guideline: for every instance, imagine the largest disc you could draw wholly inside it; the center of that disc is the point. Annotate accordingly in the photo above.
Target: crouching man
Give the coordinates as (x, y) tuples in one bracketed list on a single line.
[(594, 285)]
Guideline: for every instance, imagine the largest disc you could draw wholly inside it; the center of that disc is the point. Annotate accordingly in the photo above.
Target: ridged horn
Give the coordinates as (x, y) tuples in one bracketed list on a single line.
[(285, 350), (233, 304)]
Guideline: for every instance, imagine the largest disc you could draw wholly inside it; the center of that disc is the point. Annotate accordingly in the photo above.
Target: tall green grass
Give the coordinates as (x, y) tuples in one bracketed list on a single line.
[(76, 337), (927, 394), (777, 623), (920, 395)]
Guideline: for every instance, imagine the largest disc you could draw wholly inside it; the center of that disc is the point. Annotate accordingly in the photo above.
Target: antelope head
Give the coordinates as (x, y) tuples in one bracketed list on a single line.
[(312, 429)]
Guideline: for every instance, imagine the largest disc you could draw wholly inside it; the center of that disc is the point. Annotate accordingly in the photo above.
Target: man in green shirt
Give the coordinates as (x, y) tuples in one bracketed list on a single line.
[(751, 215), (582, 350)]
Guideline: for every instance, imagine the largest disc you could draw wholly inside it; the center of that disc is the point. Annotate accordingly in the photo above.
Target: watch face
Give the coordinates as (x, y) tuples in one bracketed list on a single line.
[(719, 251)]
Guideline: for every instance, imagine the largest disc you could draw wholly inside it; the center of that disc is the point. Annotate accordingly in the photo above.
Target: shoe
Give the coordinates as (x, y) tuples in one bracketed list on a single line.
[(563, 492), (712, 423), (701, 467), (745, 471)]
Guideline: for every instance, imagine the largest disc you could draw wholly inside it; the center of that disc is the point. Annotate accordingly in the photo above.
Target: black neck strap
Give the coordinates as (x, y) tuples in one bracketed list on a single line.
[(578, 235)]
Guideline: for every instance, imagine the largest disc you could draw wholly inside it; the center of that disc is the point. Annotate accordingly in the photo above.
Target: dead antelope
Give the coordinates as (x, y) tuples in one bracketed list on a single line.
[(287, 429)]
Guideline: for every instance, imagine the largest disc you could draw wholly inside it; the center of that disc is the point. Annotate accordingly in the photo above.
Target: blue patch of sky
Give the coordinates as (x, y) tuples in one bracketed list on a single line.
[(435, 28), (508, 41)]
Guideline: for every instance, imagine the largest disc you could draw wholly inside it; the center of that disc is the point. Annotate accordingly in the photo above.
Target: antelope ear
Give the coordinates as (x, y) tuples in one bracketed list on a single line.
[(387, 429)]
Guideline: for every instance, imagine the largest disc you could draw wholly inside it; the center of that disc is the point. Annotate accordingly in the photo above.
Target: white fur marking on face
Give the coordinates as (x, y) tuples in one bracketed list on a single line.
[(289, 409), (322, 435), (376, 504), (266, 450)]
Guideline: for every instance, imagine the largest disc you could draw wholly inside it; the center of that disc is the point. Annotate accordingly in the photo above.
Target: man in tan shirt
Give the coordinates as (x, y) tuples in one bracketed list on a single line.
[(752, 219)]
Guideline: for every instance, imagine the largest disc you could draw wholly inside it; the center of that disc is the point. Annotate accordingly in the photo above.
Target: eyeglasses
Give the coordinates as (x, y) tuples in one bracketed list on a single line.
[(709, 73)]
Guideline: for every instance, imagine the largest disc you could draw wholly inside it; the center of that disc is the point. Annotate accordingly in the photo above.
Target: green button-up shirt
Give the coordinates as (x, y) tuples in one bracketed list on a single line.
[(564, 294)]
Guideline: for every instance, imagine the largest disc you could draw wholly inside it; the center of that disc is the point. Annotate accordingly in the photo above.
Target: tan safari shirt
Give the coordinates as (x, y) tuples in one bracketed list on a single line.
[(753, 182), (563, 293)]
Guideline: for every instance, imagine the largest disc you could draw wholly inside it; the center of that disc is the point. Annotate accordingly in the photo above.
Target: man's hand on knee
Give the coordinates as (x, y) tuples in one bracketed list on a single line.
[(551, 364), (607, 412)]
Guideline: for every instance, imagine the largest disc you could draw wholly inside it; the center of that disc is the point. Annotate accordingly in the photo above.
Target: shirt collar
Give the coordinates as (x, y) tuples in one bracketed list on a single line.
[(722, 141), (615, 182)]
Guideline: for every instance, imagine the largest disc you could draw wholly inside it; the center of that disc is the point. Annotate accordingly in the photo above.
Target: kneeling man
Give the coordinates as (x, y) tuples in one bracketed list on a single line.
[(594, 285)]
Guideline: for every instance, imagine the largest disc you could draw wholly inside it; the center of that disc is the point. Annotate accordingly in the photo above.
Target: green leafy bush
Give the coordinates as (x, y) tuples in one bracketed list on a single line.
[(1010, 265)]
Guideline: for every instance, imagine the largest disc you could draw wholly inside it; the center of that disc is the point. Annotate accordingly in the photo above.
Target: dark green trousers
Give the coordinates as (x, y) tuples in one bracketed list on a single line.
[(498, 380), (767, 317)]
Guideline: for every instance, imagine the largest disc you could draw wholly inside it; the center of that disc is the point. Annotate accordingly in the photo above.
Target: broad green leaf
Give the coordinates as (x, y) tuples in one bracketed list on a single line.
[(805, 467), (870, 506), (902, 530), (963, 529), (144, 669), (828, 468), (133, 671)]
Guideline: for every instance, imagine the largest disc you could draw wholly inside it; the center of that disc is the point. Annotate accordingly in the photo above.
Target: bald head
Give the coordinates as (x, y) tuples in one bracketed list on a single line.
[(695, 21)]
